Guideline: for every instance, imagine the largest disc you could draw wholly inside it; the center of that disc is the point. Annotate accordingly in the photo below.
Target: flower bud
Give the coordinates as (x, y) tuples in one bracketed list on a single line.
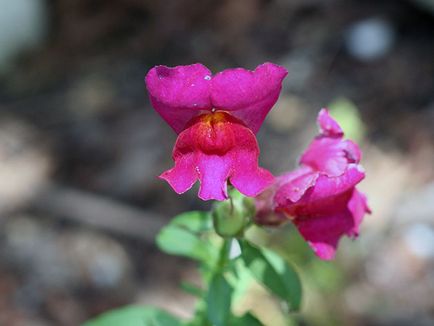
[(232, 216)]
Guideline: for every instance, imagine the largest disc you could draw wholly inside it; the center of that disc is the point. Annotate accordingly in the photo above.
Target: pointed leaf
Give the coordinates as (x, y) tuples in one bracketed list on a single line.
[(274, 273), (183, 236), (178, 241), (134, 316), (219, 301), (195, 221)]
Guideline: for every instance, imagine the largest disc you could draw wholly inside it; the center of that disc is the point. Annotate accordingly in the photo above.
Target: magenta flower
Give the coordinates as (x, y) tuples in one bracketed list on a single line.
[(320, 197), (216, 118)]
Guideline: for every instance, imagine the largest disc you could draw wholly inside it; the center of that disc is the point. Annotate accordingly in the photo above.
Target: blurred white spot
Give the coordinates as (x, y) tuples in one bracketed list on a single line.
[(22, 26), (370, 39), (207, 77), (235, 249), (420, 240)]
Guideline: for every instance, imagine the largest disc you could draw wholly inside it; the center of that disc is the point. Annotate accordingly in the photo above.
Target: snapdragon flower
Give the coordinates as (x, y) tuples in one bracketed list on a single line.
[(320, 197), (216, 119)]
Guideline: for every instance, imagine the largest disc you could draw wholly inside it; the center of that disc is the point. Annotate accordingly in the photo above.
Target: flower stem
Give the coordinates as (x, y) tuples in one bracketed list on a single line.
[(223, 256)]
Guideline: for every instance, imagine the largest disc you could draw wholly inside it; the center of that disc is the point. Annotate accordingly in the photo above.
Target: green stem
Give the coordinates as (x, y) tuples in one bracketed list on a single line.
[(201, 314), (223, 256)]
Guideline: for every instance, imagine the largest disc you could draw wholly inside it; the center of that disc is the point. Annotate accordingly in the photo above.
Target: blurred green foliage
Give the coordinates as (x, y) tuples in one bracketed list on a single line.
[(348, 116), (134, 316)]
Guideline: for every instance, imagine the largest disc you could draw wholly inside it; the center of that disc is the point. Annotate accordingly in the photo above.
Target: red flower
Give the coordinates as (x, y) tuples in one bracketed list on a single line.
[(216, 119), (320, 197)]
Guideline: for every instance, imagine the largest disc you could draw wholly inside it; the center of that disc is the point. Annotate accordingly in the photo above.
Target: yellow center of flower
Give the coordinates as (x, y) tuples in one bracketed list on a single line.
[(214, 118)]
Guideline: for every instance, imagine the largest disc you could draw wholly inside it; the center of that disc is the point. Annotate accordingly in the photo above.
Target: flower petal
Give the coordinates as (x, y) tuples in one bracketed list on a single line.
[(246, 175), (326, 186), (328, 153), (331, 155), (179, 93), (358, 206), (323, 195), (323, 229), (293, 185), (248, 95), (327, 125), (323, 232), (320, 197), (213, 172), (183, 175), (266, 202), (328, 209)]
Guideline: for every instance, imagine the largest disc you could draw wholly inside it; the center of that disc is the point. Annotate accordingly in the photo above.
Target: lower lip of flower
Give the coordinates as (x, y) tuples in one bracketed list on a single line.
[(213, 133)]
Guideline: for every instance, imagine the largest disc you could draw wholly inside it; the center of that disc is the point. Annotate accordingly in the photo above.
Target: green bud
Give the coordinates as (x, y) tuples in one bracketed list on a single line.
[(232, 216)]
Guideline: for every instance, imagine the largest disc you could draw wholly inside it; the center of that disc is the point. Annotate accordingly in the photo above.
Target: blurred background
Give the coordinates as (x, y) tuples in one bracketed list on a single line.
[(80, 148)]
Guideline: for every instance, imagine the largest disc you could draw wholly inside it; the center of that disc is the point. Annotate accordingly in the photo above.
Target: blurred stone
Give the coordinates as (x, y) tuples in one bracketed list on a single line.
[(401, 280), (99, 260), (287, 113), (64, 309), (25, 163), (50, 261), (98, 211), (388, 175), (142, 145), (163, 289), (90, 96)]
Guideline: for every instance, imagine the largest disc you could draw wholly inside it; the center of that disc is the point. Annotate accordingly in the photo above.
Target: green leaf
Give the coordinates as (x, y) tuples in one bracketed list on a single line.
[(134, 316), (289, 277), (195, 221), (200, 317), (219, 301), (192, 289), (274, 273), (246, 320), (347, 115), (181, 242), (182, 236)]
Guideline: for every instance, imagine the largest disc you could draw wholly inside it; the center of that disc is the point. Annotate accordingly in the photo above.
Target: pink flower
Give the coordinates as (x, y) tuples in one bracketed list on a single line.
[(216, 118), (320, 197)]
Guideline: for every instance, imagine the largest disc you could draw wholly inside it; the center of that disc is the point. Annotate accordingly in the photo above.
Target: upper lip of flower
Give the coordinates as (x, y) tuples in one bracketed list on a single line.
[(181, 93)]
